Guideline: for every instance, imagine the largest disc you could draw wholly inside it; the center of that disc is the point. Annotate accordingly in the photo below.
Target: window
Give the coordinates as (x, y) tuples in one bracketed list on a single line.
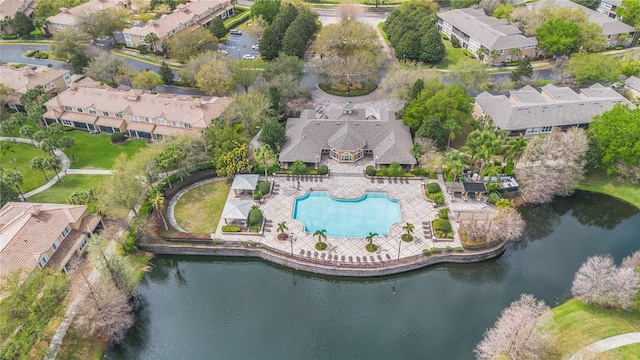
[(175, 123), (532, 131), (135, 118), (162, 121), (68, 108), (82, 244), (148, 119), (66, 77), (55, 245), (334, 154), (346, 157), (119, 116), (187, 126), (52, 84), (66, 122), (546, 129), (116, 129), (93, 111), (141, 38), (79, 110), (66, 231), (359, 154), (43, 260), (45, 86), (105, 113)]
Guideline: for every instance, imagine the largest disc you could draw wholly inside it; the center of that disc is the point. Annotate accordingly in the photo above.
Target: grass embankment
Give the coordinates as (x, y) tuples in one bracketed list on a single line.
[(199, 210), (18, 156), (453, 56), (598, 181), (60, 192), (97, 151), (578, 325)]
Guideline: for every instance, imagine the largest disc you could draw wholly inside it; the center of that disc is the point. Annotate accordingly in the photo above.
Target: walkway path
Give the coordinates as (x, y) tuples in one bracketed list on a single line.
[(606, 345), (65, 167)]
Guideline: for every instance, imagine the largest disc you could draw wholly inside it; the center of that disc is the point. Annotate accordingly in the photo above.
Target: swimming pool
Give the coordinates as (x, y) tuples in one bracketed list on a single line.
[(374, 212)]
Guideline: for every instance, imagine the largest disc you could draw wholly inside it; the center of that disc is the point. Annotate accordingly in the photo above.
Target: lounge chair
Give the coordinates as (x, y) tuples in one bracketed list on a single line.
[(388, 257), (372, 258), (301, 251), (315, 254), (379, 257), (323, 255), (358, 258), (350, 258)]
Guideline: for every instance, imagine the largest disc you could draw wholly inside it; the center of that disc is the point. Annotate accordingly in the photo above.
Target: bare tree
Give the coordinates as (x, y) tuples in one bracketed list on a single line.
[(349, 11), (632, 261), (552, 165), (489, 6), (507, 225), (517, 333), (395, 84), (599, 282), (106, 311)]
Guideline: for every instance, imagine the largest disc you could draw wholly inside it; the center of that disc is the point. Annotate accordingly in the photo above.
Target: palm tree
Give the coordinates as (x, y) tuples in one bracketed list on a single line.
[(265, 157), (482, 52), (516, 52), (156, 199), (494, 54), (491, 171), (37, 163), (408, 227), (151, 39), (454, 163), (322, 235), (516, 147), (27, 131), (14, 178), (282, 226), (371, 247), (54, 164)]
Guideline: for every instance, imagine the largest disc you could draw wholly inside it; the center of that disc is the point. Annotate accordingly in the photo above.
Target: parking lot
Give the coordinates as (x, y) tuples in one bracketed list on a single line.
[(240, 46)]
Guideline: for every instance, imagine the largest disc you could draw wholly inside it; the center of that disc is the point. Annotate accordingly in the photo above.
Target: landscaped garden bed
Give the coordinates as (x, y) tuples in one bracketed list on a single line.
[(433, 193)]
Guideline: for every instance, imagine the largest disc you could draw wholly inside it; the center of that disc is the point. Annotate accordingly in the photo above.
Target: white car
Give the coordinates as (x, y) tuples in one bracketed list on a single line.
[(249, 57), (255, 47)]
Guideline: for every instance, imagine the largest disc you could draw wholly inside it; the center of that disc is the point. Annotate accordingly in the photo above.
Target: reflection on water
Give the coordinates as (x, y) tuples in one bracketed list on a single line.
[(203, 307)]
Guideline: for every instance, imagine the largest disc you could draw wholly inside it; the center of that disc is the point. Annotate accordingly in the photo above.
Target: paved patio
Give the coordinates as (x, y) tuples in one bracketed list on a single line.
[(351, 184)]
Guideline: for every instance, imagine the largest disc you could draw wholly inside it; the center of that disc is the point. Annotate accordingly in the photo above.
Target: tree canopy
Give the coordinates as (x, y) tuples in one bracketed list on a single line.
[(630, 12), (267, 9), (185, 44), (590, 68), (558, 37)]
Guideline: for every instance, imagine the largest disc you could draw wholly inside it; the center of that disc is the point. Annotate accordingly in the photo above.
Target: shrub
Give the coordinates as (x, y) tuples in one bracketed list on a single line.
[(370, 170), (117, 137), (230, 228), (143, 49), (443, 214), (129, 245), (395, 169), (49, 66), (44, 56), (468, 53), (437, 198), (298, 168), (371, 247), (255, 216), (448, 249), (264, 187), (321, 246), (323, 170), (435, 250), (508, 169), (406, 237), (455, 42), (494, 187), (9, 36), (493, 198), (442, 225), (118, 45), (257, 194), (504, 204), (433, 188), (420, 172), (254, 228), (426, 252), (433, 176), (459, 249)]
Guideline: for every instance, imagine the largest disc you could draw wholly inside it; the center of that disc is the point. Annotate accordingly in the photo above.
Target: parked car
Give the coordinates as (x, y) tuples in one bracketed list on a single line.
[(500, 64), (249, 57), (235, 32), (255, 46)]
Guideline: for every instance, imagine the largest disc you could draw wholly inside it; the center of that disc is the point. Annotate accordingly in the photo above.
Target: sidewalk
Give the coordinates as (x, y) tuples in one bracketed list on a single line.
[(606, 345)]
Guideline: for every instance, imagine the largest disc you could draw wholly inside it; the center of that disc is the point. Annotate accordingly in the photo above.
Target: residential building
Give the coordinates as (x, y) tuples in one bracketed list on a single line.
[(632, 86), (503, 42), (68, 18), (9, 8), (609, 7), (530, 112), (35, 236), (25, 78), (616, 32), (346, 135), (97, 108), (186, 16)]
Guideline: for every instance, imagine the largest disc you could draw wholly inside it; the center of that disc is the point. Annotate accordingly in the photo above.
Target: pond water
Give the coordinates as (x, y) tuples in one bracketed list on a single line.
[(215, 308), (347, 218)]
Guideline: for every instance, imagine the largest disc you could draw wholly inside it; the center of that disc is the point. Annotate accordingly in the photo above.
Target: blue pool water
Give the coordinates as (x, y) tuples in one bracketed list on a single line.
[(374, 212)]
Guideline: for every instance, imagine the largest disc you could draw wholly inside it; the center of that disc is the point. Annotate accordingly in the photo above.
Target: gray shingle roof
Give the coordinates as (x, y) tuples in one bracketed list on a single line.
[(388, 138), (610, 26), (237, 209), (633, 82), (492, 33), (560, 108), (245, 182)]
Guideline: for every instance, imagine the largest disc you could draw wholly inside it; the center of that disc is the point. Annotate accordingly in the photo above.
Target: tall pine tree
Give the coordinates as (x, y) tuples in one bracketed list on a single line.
[(166, 73)]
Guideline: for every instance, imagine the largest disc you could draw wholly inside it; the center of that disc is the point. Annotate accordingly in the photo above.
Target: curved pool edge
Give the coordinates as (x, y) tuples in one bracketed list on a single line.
[(329, 268)]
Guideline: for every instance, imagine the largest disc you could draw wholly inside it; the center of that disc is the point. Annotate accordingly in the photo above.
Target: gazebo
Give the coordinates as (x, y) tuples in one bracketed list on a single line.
[(244, 182), (236, 210)]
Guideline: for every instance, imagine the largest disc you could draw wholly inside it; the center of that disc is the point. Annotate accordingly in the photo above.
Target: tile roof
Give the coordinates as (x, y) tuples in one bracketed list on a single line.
[(196, 112), (11, 7), (28, 77), (388, 138), (610, 26), (65, 250), (181, 15), (68, 16), (633, 82), (490, 32), (562, 108), (29, 229)]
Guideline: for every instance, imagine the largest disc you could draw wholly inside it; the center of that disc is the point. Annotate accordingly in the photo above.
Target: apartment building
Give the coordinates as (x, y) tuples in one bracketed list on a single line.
[(67, 18), (185, 16), (476, 30), (609, 7), (97, 108), (9, 8), (22, 79)]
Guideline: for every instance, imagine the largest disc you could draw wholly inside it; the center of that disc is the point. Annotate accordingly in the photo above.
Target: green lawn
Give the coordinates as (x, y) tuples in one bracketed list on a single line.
[(453, 56), (97, 151), (629, 352), (18, 156), (198, 211), (76, 347), (598, 181), (578, 325), (60, 192)]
